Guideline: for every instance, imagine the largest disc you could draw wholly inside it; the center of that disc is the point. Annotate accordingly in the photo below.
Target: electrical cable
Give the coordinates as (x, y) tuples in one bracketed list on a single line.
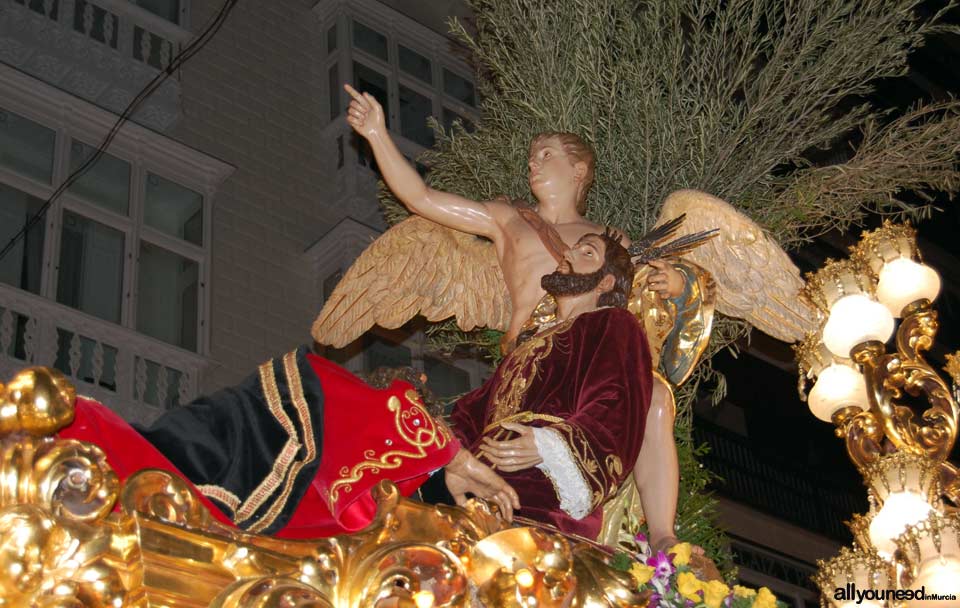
[(191, 49)]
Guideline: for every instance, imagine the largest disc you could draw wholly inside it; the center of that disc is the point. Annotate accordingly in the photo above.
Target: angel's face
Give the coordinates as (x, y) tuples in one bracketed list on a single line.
[(553, 173), (585, 257)]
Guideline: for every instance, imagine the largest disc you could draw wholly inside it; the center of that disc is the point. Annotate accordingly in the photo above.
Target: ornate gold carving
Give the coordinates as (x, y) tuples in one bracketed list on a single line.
[(47, 561), (888, 376), (38, 401), (271, 592), (68, 478), (165, 497), (953, 367), (62, 545)]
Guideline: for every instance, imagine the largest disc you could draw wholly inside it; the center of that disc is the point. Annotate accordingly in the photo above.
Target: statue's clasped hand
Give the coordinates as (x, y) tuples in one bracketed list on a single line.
[(515, 454), (466, 474), (667, 281)]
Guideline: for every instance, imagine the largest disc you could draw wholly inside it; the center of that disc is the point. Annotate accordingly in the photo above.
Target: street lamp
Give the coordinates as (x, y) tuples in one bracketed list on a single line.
[(910, 538)]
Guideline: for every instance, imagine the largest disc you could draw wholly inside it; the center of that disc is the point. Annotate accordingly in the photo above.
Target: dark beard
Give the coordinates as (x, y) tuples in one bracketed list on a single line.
[(559, 284)]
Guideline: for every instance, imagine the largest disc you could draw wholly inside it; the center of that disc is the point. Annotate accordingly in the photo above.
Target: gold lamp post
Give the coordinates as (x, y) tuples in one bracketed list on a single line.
[(910, 538)]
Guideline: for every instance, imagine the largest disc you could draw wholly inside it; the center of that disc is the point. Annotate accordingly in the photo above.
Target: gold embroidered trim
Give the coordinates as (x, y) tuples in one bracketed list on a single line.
[(282, 464), (300, 404), (295, 386), (419, 437), (522, 418), (223, 495), (520, 368), (281, 500)]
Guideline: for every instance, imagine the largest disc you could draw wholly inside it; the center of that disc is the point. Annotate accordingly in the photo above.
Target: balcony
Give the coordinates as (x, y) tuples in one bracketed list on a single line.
[(104, 51), (787, 492), (135, 375)]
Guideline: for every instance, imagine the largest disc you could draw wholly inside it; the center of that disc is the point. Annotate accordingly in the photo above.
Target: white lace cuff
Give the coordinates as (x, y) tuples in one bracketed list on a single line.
[(559, 466)]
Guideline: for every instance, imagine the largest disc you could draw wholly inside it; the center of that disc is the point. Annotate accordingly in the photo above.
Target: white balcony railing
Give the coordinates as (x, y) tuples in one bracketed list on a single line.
[(135, 375), (118, 24), (103, 51)]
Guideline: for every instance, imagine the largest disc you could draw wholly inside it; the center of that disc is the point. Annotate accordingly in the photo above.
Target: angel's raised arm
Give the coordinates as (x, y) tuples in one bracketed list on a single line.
[(366, 117)]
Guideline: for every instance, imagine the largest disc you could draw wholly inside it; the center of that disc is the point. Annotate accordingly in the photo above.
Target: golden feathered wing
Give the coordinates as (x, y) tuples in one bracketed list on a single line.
[(756, 280), (416, 267)]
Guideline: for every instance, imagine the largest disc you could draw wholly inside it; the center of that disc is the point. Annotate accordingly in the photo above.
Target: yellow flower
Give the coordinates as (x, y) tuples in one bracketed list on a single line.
[(714, 592), (689, 586), (681, 554), (765, 599), (743, 591), (642, 574)]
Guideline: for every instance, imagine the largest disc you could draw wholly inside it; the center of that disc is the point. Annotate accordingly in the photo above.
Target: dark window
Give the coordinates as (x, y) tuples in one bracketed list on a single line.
[(369, 40), (333, 80), (415, 64), (414, 111), (21, 266), (458, 87), (332, 38)]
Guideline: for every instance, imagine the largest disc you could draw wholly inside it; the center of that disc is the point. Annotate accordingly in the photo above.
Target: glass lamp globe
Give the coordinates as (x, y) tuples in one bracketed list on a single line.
[(838, 386), (902, 281), (900, 509), (850, 571), (933, 547), (854, 319), (939, 576)]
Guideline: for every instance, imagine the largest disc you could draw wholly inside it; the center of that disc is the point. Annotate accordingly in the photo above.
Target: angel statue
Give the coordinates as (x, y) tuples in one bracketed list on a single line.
[(434, 265)]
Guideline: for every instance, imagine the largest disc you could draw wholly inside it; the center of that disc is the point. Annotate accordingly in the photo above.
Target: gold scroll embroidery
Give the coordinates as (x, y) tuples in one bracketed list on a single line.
[(419, 437), (522, 418), (519, 369)]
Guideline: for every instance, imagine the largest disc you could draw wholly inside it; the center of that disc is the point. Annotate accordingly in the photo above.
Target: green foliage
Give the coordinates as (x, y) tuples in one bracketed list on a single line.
[(621, 560), (739, 98)]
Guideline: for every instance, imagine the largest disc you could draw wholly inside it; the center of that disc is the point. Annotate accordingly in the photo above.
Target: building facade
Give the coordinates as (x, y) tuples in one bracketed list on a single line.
[(206, 238)]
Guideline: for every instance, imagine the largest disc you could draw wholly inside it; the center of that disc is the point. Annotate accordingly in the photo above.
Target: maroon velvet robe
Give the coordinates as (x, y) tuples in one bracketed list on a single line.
[(590, 380)]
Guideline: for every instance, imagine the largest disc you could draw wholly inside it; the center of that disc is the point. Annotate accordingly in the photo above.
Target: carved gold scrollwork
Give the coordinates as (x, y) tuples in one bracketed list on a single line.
[(164, 496), (414, 567), (271, 592), (49, 562), (862, 433), (63, 546), (38, 401), (888, 376), (950, 485), (70, 478)]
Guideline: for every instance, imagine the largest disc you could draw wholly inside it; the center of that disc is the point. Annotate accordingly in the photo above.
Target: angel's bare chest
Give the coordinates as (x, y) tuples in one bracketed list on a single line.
[(525, 258)]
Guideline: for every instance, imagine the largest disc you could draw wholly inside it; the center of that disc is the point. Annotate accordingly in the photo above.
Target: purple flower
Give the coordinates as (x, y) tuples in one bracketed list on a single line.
[(661, 565), (640, 537), (689, 604), (654, 601)]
